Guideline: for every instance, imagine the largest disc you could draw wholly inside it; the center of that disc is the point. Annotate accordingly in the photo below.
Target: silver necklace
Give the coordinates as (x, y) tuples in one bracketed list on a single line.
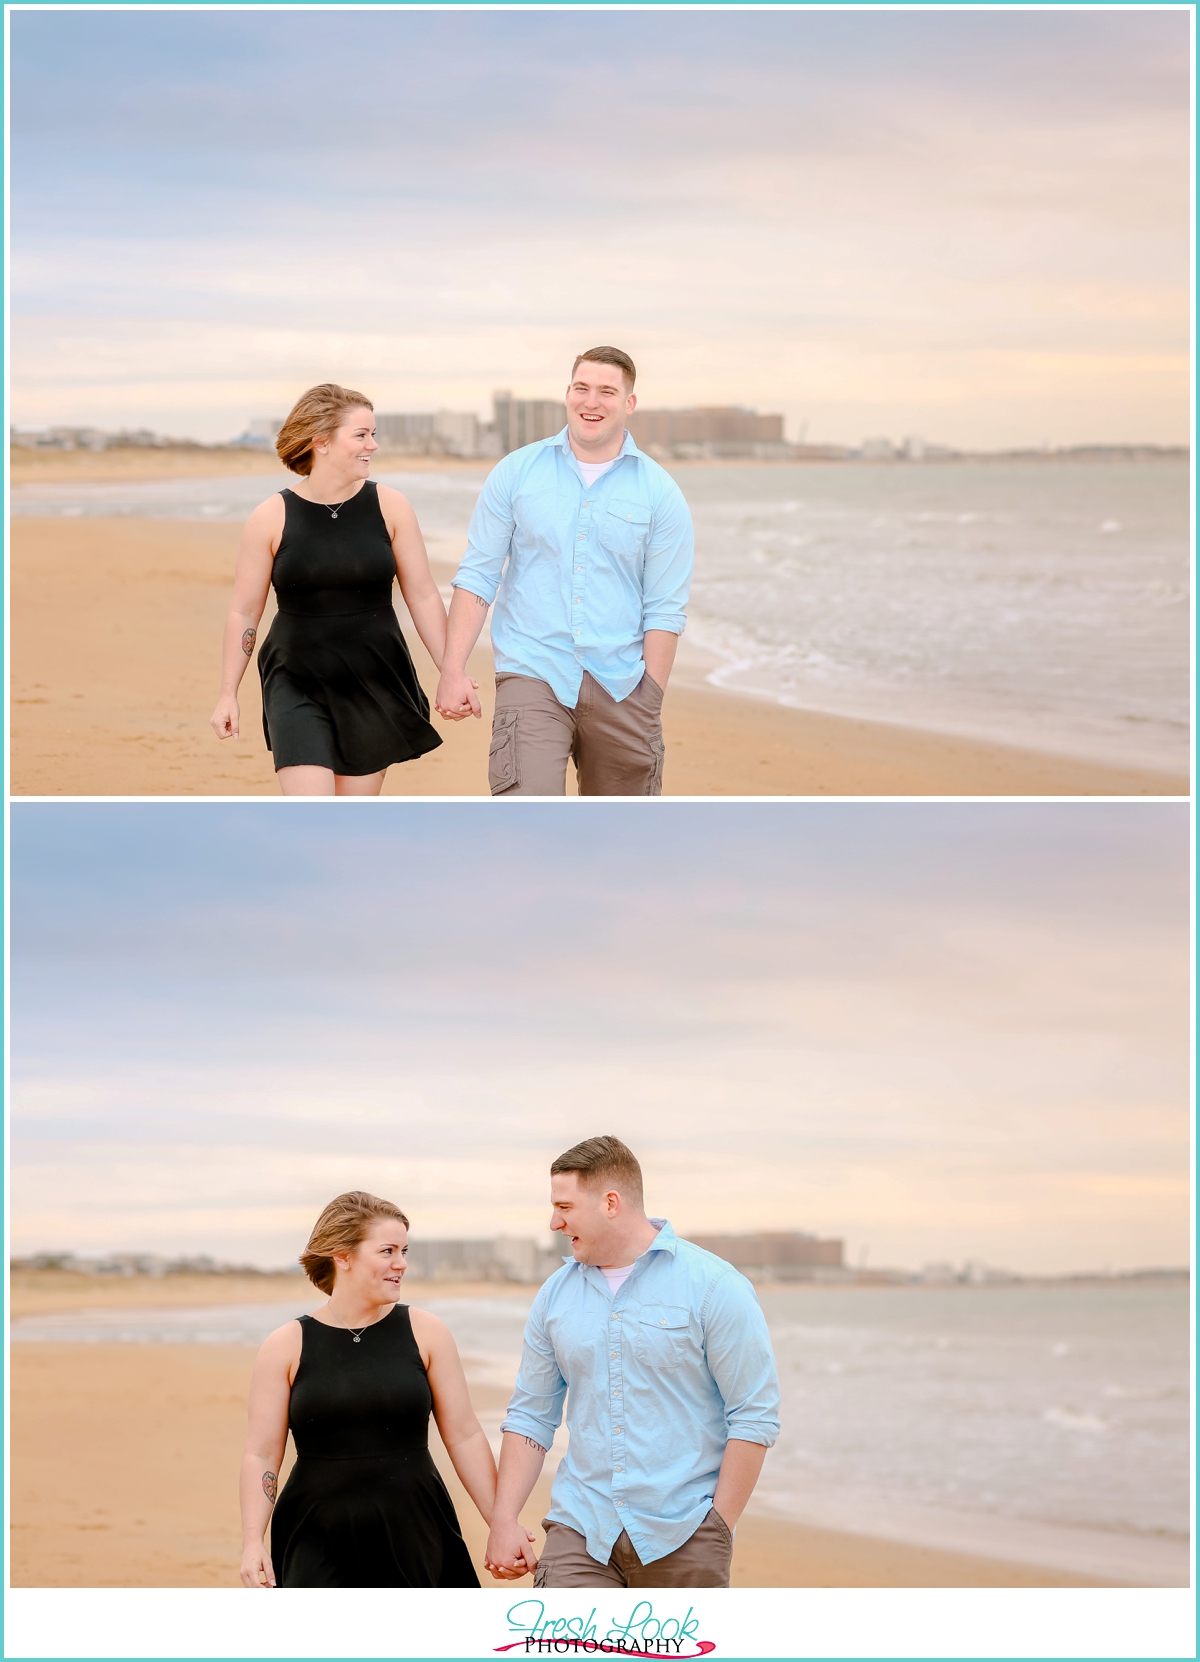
[(357, 1337), (333, 509)]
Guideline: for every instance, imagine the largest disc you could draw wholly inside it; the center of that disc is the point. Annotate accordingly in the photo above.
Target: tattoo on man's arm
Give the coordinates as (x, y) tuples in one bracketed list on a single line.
[(270, 1486), (480, 601), (529, 1443), (248, 638)]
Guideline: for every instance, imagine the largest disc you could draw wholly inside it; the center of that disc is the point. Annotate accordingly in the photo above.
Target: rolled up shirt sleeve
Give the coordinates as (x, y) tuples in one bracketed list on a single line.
[(741, 1361), (667, 574), (536, 1407), (489, 538)]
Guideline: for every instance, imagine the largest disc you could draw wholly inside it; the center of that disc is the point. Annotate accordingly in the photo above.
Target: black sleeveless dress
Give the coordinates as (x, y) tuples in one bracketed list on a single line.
[(338, 685), (364, 1505)]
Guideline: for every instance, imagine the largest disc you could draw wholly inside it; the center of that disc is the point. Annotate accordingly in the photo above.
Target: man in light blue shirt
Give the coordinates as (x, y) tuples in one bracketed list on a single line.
[(585, 545), (663, 1356)]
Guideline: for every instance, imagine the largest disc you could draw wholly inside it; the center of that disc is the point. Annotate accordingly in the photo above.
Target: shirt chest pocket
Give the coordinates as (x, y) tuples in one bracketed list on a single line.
[(624, 528), (663, 1336)]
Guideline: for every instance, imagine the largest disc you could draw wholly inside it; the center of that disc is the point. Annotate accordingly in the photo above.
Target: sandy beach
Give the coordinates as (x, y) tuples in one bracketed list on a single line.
[(125, 1456), (115, 657)]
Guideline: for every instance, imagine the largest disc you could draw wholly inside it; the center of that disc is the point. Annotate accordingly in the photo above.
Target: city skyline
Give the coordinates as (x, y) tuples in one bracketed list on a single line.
[(936, 1032), (969, 226)]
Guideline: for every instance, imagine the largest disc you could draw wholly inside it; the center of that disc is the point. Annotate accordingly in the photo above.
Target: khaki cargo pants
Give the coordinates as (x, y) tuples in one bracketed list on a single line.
[(703, 1560), (617, 748)]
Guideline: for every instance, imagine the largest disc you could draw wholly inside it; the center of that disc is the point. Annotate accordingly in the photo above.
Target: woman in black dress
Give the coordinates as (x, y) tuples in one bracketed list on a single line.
[(341, 699), (355, 1382)]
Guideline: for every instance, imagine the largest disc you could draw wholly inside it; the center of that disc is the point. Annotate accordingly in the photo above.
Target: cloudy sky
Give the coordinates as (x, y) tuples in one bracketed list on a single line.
[(938, 1032), (970, 225)]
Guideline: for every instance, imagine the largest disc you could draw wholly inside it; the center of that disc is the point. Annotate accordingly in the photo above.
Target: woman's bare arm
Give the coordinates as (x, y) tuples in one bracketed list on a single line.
[(251, 581), (266, 1438), (425, 604), (461, 1432)]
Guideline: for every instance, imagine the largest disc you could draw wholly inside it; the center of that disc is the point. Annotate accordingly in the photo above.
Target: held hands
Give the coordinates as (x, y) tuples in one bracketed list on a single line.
[(226, 718), (256, 1567), (457, 696), (509, 1552)]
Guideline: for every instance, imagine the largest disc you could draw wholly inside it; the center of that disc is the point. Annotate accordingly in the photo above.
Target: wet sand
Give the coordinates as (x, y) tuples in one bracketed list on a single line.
[(124, 1463), (124, 1457), (115, 666)]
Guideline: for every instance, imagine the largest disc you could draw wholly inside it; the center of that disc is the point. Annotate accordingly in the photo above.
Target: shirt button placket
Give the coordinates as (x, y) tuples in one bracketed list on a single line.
[(616, 1381), (578, 563)]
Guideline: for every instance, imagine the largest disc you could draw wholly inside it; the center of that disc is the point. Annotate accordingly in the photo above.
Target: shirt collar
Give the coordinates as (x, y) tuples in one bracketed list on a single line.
[(665, 1241), (564, 444)]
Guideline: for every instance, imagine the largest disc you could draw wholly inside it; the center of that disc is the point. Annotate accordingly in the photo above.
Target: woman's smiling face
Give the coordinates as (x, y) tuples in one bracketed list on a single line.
[(351, 446), (376, 1266)]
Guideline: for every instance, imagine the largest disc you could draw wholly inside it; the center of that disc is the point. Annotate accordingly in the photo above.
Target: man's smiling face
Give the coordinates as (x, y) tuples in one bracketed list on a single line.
[(598, 400), (583, 1216)]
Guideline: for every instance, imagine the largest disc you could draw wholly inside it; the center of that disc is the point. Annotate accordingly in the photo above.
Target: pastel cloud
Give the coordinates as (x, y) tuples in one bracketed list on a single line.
[(951, 1032), (969, 224)]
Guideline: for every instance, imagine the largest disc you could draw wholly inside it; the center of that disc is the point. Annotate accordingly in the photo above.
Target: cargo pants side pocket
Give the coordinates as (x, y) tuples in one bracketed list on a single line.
[(504, 757)]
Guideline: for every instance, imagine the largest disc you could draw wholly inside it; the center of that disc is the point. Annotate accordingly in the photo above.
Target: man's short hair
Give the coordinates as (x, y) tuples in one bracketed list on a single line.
[(601, 1160), (622, 361)]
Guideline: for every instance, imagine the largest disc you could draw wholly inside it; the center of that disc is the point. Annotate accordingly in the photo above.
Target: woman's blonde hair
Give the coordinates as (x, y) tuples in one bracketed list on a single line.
[(315, 415), (344, 1224)]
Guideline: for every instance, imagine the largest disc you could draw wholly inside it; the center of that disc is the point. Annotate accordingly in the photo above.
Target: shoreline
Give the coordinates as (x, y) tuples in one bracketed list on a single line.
[(121, 465), (689, 674), (818, 1541), (115, 657), (70, 1292), (95, 1427)]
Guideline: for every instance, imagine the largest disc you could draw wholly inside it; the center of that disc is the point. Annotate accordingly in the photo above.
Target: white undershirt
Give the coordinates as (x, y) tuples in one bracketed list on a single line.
[(592, 470), (616, 1278)]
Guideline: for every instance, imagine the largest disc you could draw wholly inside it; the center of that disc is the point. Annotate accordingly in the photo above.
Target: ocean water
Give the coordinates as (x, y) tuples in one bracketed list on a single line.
[(1047, 1421), (1044, 604), (1059, 1404)]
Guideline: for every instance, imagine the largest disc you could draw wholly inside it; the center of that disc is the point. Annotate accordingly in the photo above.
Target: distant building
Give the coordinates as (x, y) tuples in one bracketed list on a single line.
[(139, 1263), (709, 430), (412, 431), (59, 438), (521, 421), (435, 433), (458, 431), (91, 438), (504, 1259), (261, 433), (775, 1255)]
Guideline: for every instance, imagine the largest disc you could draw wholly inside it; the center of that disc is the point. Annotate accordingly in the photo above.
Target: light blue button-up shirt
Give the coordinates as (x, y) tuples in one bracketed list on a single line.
[(657, 1381), (590, 567)]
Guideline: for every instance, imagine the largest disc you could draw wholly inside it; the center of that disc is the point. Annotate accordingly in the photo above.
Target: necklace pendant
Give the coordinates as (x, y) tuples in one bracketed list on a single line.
[(335, 516), (358, 1338)]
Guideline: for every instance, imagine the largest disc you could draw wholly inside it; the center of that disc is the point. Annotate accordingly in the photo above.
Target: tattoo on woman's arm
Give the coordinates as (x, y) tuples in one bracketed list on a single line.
[(480, 601), (270, 1486), (248, 638), (529, 1443)]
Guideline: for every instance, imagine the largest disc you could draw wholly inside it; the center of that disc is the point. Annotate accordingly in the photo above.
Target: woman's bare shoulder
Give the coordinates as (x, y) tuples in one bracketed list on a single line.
[(393, 502), (269, 515), (428, 1327), (283, 1343)]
